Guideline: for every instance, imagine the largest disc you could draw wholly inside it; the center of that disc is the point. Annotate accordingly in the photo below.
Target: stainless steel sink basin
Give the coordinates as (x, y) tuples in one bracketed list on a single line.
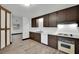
[(39, 31)]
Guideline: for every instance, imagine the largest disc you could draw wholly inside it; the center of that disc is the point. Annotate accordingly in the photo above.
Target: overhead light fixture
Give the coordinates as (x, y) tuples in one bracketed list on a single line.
[(27, 4)]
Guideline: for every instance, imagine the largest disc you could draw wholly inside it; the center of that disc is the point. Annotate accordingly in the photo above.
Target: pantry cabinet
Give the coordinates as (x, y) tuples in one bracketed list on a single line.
[(5, 29)]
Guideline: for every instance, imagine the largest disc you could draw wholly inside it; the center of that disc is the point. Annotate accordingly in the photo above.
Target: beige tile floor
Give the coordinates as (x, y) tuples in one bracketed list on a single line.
[(28, 47)]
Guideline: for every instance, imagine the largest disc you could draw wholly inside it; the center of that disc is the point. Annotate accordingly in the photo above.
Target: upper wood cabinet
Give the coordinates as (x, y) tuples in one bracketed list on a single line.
[(71, 14), (46, 21), (78, 15), (52, 20), (62, 16), (34, 22), (67, 15)]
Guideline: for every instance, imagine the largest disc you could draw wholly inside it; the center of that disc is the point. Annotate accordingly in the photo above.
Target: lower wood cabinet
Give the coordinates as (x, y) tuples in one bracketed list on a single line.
[(77, 46), (53, 41), (35, 36)]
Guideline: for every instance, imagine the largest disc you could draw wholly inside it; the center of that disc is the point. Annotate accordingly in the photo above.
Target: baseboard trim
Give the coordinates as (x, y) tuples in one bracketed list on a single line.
[(25, 39), (16, 33)]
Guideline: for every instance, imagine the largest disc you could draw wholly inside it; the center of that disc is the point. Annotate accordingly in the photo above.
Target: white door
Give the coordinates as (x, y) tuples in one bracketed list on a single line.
[(2, 18), (8, 20), (8, 37), (2, 27), (8, 27), (2, 39)]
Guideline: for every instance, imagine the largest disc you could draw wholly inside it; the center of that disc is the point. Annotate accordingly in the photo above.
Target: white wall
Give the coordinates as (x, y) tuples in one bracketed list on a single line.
[(16, 20)]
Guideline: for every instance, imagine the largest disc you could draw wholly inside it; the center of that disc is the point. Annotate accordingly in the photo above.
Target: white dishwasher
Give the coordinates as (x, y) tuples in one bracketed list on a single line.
[(44, 38)]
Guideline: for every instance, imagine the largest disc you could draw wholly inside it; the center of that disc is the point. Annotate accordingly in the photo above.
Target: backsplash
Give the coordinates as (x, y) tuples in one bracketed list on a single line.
[(68, 29)]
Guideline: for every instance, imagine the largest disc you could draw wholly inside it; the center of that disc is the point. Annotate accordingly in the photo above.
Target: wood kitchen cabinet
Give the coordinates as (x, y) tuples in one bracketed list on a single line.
[(35, 36), (34, 22), (52, 20), (71, 14), (67, 15), (53, 41), (61, 16), (77, 46), (78, 15), (46, 21)]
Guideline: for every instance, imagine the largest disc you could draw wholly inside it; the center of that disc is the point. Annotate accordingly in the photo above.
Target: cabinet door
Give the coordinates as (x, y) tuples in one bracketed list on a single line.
[(34, 23), (2, 39), (46, 21), (2, 18), (76, 46), (71, 14), (35, 36), (52, 20), (38, 37), (78, 15), (8, 20), (52, 41), (31, 35), (61, 16)]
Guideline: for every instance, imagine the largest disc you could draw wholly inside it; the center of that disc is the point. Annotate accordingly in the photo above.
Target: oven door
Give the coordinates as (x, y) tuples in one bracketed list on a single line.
[(66, 47)]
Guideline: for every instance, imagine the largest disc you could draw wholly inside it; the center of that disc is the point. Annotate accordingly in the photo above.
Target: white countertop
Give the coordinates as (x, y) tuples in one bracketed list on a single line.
[(56, 34), (75, 36)]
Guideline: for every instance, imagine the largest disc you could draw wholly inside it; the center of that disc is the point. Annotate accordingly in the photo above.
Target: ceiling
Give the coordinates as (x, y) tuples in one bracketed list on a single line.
[(35, 10)]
